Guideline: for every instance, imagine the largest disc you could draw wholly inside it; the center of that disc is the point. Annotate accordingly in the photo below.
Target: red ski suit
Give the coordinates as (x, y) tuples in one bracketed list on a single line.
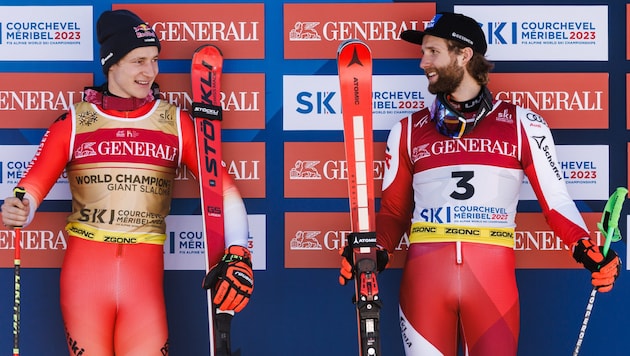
[(121, 167), (457, 200)]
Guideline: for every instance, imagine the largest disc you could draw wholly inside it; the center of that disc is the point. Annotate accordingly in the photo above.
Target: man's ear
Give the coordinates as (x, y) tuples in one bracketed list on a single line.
[(466, 54)]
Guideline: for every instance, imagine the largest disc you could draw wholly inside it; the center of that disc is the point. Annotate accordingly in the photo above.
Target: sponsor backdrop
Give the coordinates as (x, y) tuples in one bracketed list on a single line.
[(567, 60)]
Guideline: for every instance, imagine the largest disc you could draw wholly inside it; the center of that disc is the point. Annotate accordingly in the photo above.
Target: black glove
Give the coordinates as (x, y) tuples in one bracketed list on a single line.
[(604, 270), (347, 270), (232, 279)]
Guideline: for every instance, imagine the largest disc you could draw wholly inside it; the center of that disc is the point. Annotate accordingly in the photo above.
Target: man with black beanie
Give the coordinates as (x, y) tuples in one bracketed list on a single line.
[(121, 149), (451, 183), (119, 32)]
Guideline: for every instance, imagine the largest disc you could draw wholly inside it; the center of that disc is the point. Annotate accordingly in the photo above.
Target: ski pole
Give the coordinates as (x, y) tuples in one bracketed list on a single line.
[(19, 193), (609, 227)]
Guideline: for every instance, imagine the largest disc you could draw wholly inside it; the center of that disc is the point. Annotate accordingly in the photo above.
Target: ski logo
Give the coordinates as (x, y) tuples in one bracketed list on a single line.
[(214, 210), (206, 84), (209, 150), (207, 87), (207, 111), (355, 59), (362, 239)]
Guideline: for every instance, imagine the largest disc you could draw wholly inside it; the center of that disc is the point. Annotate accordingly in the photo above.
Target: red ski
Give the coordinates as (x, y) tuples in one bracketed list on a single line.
[(207, 65), (354, 61)]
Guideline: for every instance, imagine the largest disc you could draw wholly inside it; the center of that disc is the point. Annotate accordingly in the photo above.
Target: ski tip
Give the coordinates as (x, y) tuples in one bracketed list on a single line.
[(349, 42), (207, 46), (352, 42), (204, 54)]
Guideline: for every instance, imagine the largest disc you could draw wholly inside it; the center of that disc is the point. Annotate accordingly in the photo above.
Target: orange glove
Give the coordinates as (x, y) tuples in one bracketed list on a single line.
[(346, 272), (604, 271), (232, 279)]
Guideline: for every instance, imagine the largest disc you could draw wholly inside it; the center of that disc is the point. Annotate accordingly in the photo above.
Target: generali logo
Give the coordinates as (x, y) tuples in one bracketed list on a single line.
[(43, 242), (313, 240), (35, 100), (315, 30), (564, 100), (237, 29), (242, 97), (245, 162), (320, 169), (537, 246)]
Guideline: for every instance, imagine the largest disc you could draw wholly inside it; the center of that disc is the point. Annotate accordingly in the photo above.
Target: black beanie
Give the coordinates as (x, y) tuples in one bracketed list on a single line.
[(119, 32)]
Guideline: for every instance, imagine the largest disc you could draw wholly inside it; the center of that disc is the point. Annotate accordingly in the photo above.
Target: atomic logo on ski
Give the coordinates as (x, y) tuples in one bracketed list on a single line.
[(355, 58)]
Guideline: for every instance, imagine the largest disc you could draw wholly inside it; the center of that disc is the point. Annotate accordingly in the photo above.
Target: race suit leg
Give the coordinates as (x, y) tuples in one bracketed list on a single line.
[(112, 299), (445, 288)]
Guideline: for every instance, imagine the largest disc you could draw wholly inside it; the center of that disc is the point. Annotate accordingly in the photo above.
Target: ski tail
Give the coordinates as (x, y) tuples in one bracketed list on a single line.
[(206, 70), (354, 61), (368, 302)]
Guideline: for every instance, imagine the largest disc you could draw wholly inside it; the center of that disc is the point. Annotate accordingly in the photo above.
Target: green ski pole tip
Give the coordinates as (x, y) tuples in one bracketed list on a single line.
[(610, 218)]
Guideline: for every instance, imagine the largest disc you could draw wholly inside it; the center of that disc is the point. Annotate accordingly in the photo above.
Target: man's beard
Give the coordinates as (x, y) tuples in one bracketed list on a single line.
[(449, 78)]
